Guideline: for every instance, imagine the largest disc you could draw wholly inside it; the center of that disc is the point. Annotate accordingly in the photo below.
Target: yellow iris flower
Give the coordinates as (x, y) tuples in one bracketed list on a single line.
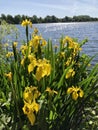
[(68, 39), (70, 73), (34, 42), (43, 69), (33, 63), (28, 110), (26, 23), (30, 94), (43, 42), (30, 106), (9, 54), (76, 92), (15, 44), (24, 49)]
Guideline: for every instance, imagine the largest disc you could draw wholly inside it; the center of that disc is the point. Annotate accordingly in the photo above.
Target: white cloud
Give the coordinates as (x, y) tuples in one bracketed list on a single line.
[(59, 8)]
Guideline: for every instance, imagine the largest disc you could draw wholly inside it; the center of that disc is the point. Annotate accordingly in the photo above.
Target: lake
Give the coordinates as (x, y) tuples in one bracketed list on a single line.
[(79, 30)]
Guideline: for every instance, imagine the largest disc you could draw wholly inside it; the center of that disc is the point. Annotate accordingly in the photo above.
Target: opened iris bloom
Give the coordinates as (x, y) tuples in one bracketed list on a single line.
[(30, 105), (26, 23), (76, 92)]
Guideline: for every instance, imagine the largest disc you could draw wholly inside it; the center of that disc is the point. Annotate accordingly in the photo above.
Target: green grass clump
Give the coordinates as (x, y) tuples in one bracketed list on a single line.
[(46, 87)]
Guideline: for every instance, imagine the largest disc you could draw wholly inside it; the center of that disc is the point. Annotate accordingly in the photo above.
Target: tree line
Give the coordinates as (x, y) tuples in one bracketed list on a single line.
[(17, 19)]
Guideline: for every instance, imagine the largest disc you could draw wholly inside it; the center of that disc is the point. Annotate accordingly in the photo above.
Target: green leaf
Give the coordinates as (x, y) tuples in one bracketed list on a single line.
[(63, 75)]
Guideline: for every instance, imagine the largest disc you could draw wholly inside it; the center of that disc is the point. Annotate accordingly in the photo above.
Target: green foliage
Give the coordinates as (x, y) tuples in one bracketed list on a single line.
[(17, 19), (47, 87)]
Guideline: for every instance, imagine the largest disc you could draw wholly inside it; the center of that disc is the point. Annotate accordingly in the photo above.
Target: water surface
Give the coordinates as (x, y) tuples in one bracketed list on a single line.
[(79, 30)]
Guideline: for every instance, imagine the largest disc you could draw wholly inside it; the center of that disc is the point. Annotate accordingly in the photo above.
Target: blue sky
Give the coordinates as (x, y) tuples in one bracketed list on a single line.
[(42, 8)]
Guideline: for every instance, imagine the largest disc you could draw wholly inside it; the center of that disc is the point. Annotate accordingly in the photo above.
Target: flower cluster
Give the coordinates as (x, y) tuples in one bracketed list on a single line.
[(30, 53), (57, 80), (36, 41), (72, 44), (42, 66), (72, 49)]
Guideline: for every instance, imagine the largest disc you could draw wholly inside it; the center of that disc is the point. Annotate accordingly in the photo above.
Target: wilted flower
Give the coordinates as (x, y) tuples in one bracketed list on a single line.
[(51, 92), (9, 75)]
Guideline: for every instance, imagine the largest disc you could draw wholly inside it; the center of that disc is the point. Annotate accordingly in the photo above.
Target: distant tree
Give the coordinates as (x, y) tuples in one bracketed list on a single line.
[(48, 19), (3, 17), (17, 19), (9, 19), (40, 20), (23, 17), (74, 18), (67, 19), (54, 19), (34, 19), (82, 18)]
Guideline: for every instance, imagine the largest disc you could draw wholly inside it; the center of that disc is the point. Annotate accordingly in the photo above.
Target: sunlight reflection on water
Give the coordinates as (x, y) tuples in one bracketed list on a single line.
[(54, 31)]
